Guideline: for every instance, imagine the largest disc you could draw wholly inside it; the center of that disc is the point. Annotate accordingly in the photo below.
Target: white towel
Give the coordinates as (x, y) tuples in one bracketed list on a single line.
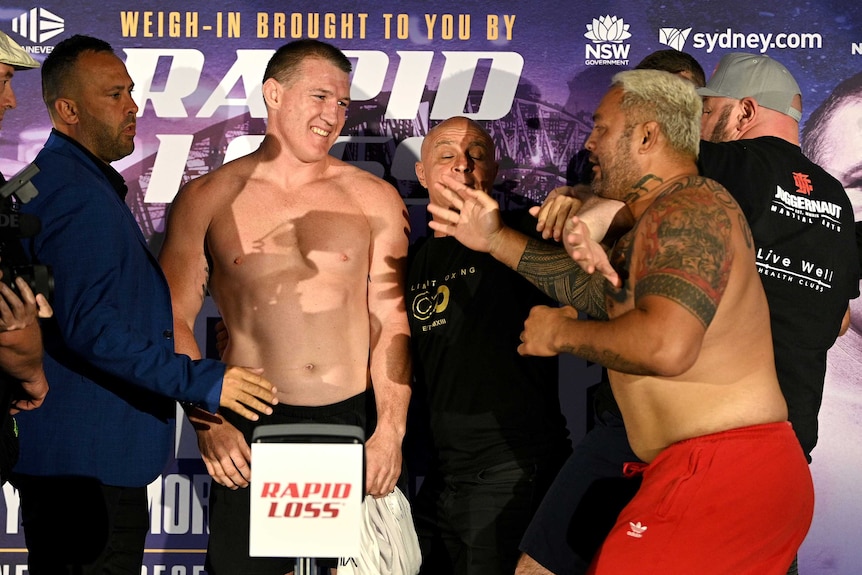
[(389, 545)]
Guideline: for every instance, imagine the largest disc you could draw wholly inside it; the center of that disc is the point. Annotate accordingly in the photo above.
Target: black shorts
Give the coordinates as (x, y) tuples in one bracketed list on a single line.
[(229, 510)]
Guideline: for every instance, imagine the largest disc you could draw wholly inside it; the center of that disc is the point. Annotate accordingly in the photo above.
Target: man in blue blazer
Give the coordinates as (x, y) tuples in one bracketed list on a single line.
[(106, 429)]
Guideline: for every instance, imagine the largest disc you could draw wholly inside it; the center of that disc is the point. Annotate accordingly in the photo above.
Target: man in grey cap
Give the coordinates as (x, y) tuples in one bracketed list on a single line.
[(747, 79), (12, 58), (22, 380)]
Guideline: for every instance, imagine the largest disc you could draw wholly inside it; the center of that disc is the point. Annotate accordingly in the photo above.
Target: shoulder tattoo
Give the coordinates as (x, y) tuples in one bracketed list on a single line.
[(685, 251)]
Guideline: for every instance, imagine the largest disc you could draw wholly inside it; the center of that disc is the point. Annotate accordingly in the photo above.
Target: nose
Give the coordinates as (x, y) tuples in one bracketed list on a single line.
[(8, 99), (590, 144), (133, 106), (463, 164), (329, 113)]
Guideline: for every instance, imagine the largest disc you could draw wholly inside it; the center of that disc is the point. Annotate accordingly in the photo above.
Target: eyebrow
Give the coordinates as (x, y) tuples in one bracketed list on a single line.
[(329, 93), (120, 87)]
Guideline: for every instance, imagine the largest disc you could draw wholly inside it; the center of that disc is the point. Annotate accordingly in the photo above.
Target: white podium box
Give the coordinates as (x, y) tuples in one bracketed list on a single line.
[(307, 488)]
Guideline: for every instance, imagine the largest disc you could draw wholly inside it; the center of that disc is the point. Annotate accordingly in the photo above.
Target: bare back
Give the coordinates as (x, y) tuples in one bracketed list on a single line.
[(690, 257)]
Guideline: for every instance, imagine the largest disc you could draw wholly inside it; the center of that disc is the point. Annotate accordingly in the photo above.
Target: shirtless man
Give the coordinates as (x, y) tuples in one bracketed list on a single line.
[(304, 255), (697, 387)]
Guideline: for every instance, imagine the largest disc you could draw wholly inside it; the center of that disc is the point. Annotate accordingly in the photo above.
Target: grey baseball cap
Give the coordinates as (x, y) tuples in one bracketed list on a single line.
[(14, 55), (740, 75)]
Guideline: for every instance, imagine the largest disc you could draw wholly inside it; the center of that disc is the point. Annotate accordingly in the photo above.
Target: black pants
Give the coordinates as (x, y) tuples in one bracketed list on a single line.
[(227, 551), (471, 523), (78, 526)]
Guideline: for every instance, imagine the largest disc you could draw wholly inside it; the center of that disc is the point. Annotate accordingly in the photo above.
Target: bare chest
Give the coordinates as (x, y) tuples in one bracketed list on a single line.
[(308, 234)]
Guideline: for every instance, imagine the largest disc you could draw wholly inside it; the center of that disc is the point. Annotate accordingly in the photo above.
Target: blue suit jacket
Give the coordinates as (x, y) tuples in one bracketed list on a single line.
[(109, 358)]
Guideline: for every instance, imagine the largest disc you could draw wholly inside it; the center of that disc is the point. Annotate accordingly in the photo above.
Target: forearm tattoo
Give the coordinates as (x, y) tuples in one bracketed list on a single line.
[(685, 249), (550, 268)]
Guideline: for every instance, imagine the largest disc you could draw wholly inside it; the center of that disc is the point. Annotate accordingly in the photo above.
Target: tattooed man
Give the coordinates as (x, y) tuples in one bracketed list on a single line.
[(685, 338)]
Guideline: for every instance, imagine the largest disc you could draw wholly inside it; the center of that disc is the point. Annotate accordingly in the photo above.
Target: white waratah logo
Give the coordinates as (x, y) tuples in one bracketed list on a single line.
[(637, 530), (607, 29), (38, 25), (673, 37)]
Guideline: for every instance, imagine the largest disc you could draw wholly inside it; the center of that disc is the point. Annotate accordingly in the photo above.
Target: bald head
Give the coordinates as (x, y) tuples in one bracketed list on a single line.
[(454, 125), (462, 148)]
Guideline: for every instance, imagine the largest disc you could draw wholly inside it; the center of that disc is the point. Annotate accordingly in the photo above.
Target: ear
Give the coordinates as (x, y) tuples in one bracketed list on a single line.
[(66, 110), (749, 108), (420, 174), (272, 93), (648, 134)]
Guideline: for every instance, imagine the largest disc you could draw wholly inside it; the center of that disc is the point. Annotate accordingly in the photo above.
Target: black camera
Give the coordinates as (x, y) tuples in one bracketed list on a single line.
[(15, 226)]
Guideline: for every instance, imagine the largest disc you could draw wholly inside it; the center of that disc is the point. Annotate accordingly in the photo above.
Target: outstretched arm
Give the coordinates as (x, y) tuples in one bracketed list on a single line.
[(679, 269), (476, 223)]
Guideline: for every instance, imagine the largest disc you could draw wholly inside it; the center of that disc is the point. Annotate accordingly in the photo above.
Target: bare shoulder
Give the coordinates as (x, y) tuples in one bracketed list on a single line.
[(685, 242), (374, 195), (213, 191)]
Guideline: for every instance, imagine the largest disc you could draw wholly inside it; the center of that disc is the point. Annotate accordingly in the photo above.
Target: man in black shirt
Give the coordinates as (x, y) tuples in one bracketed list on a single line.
[(497, 436)]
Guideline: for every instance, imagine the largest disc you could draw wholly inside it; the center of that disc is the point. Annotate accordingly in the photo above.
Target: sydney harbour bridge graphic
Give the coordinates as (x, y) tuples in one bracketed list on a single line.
[(535, 142)]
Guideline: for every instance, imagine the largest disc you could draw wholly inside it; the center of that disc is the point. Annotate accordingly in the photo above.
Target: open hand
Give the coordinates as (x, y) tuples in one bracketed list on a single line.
[(588, 253), (245, 389)]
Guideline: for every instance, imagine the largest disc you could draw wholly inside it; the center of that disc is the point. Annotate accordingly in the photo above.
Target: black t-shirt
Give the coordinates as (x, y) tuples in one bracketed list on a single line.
[(802, 223), (486, 403)]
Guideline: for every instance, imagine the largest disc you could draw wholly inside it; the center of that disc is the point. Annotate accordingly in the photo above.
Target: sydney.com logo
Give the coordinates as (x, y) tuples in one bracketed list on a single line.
[(729, 39), (607, 34)]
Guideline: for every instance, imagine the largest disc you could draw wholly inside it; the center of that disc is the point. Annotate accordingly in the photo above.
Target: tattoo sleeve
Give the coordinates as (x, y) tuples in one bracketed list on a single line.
[(550, 268)]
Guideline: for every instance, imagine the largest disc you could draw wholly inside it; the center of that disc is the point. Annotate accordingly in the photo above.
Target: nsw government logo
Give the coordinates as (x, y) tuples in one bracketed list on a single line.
[(38, 25), (607, 34)]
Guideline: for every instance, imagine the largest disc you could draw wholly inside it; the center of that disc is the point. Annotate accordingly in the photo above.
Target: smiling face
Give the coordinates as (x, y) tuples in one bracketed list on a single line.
[(615, 172), (309, 112), (105, 109), (461, 148)]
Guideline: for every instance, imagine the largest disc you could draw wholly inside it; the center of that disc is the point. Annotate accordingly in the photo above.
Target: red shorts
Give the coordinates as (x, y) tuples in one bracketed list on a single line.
[(739, 502)]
